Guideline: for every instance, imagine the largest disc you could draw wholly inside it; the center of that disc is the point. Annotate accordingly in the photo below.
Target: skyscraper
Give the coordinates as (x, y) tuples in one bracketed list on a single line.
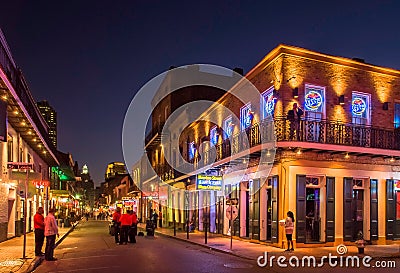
[(50, 115)]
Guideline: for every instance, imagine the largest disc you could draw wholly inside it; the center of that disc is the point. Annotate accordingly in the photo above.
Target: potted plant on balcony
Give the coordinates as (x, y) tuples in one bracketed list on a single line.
[(360, 242)]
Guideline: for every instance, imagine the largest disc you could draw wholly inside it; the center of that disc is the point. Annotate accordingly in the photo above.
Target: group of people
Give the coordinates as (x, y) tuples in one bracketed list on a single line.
[(125, 226), (45, 227)]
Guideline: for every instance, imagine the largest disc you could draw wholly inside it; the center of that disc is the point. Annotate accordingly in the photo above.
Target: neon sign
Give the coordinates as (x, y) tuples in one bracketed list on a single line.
[(246, 116), (268, 103), (313, 100), (358, 106), (228, 127), (213, 135), (192, 150)]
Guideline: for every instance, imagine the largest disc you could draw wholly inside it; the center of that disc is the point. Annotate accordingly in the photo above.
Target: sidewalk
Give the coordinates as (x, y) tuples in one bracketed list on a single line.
[(11, 251), (252, 250)]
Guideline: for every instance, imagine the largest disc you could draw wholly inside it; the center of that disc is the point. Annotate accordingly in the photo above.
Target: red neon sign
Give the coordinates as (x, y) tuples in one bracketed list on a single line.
[(41, 183)]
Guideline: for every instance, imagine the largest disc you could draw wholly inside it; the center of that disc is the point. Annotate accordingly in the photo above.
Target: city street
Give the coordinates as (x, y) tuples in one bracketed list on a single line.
[(89, 248)]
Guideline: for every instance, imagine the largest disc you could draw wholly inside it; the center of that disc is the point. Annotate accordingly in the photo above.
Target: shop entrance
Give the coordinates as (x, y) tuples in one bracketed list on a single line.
[(269, 215), (392, 209), (313, 208), (219, 220), (358, 211)]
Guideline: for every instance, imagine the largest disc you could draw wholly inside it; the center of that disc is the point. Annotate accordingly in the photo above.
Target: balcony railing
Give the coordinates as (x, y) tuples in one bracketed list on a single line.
[(154, 131), (315, 131)]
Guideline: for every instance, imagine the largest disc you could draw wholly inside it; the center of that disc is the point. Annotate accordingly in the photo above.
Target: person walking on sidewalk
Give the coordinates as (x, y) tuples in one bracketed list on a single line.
[(50, 231), (38, 225), (115, 219), (154, 218), (289, 227)]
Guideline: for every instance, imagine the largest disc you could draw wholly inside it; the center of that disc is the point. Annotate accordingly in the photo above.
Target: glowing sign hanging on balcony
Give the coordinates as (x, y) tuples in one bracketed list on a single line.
[(228, 127), (246, 116), (209, 182), (358, 106), (213, 136), (192, 150), (268, 102)]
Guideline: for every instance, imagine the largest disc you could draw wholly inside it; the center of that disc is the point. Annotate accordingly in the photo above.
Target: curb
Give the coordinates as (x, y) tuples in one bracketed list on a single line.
[(318, 259), (38, 260), (205, 246)]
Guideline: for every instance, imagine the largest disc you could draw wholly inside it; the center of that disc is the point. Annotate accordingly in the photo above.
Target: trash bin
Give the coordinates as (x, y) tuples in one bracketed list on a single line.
[(67, 222), (149, 228)]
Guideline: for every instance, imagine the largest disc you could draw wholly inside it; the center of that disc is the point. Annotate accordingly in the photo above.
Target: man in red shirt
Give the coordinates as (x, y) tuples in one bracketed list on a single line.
[(38, 224), (126, 223), (116, 216)]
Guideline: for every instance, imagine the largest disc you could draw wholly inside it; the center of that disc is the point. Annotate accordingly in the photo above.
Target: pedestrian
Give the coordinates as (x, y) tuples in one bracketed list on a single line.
[(126, 223), (294, 117), (154, 218), (50, 231), (38, 224), (289, 227), (115, 219), (133, 229)]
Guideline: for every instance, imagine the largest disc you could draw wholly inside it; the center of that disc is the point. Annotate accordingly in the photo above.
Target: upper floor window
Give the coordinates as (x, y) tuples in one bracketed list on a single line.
[(360, 108), (268, 103), (314, 102), (228, 127), (396, 115), (246, 116)]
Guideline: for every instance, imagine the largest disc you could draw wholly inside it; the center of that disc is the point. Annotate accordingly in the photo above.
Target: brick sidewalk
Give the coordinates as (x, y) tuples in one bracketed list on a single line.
[(11, 252), (252, 250)]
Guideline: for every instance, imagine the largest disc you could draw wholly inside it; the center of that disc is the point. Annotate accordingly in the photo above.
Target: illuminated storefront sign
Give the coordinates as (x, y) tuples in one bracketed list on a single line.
[(209, 182), (213, 135), (246, 116), (228, 127), (314, 99), (192, 150), (41, 183), (268, 103)]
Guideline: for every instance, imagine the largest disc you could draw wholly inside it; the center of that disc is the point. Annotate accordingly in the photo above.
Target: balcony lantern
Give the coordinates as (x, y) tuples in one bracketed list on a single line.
[(386, 106), (295, 92), (341, 99)]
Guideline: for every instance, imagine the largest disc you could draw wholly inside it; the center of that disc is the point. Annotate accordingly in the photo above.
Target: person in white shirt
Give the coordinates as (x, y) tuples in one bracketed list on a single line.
[(50, 231)]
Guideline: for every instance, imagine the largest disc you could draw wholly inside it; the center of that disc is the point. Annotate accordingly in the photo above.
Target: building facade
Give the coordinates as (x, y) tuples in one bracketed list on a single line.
[(24, 142), (335, 166), (50, 116)]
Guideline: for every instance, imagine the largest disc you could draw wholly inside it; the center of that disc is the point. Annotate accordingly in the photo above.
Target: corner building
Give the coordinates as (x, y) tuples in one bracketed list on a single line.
[(337, 168)]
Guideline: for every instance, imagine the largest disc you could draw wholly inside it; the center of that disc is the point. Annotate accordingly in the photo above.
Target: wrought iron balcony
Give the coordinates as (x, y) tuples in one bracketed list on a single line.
[(315, 131)]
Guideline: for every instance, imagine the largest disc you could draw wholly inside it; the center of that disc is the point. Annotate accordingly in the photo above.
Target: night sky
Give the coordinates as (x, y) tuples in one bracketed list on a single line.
[(88, 58)]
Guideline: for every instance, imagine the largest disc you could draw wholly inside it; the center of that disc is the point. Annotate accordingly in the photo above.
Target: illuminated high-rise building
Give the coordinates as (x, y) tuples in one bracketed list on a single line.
[(50, 115)]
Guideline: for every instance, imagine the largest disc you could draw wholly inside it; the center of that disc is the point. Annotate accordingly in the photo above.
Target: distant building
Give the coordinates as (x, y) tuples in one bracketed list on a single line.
[(115, 168), (50, 116)]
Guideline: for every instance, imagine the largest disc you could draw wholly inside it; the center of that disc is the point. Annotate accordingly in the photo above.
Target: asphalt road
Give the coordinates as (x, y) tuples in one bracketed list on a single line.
[(89, 248)]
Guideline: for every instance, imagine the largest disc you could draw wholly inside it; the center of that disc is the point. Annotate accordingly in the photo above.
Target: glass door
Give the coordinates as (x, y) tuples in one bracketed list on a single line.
[(313, 214)]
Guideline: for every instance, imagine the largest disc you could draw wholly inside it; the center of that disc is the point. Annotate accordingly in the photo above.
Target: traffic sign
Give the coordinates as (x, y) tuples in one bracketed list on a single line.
[(232, 212)]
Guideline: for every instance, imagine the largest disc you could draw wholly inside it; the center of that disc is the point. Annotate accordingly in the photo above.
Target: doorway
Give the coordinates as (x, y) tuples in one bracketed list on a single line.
[(269, 214), (357, 208), (313, 217)]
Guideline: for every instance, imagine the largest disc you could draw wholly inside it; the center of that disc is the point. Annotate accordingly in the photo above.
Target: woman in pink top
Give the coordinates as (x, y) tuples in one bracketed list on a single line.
[(50, 231), (289, 227)]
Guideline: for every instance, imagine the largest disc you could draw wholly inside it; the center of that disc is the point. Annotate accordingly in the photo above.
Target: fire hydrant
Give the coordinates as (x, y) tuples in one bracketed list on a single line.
[(360, 243)]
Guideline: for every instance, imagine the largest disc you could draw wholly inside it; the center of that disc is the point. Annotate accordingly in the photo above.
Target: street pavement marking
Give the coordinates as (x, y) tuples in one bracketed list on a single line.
[(87, 269), (88, 257)]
